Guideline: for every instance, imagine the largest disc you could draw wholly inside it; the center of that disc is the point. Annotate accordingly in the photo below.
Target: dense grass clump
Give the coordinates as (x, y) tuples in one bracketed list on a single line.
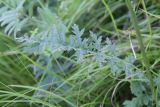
[(79, 53)]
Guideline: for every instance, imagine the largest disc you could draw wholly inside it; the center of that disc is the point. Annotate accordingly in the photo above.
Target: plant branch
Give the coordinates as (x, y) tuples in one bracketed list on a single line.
[(139, 38)]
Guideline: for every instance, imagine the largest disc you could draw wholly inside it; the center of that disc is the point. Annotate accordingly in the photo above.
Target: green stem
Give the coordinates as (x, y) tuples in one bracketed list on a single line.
[(145, 59), (148, 23), (111, 15)]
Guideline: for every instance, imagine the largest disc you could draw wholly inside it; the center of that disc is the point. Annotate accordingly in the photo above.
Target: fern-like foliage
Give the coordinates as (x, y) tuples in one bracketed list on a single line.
[(13, 16), (47, 37), (139, 101), (52, 40)]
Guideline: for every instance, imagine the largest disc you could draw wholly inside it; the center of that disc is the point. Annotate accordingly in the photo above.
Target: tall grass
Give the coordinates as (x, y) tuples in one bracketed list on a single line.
[(29, 79)]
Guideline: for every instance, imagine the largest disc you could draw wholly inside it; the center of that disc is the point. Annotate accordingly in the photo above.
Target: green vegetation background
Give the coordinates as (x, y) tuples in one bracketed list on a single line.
[(114, 62)]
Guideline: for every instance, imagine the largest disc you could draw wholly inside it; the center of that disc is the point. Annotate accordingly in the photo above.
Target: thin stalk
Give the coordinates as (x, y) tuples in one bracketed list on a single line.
[(148, 24), (139, 38), (111, 15), (147, 17)]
